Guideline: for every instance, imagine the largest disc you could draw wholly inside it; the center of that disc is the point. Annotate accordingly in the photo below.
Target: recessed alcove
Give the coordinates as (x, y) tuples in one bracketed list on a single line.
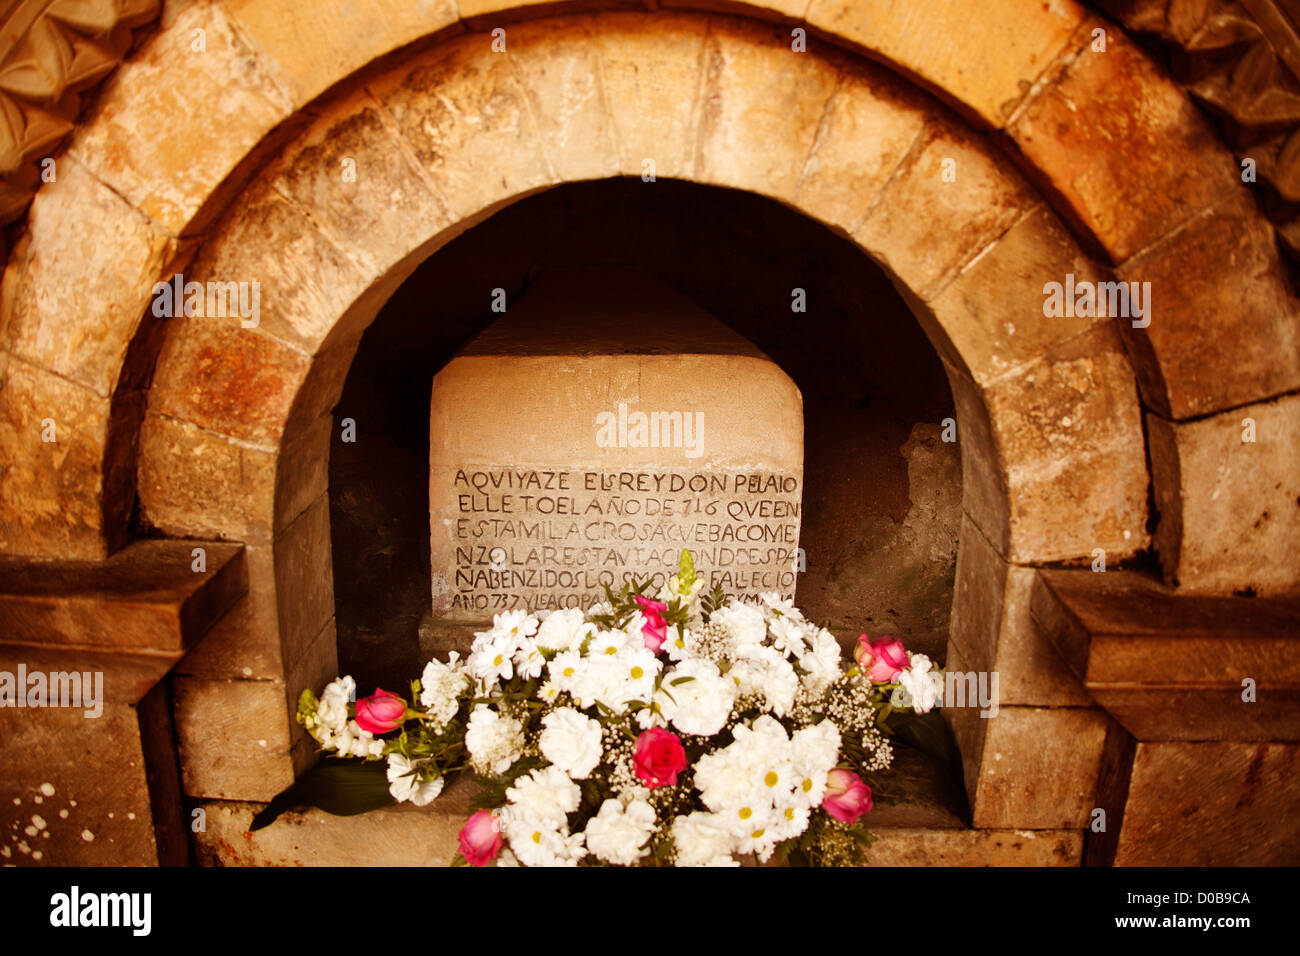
[(882, 493)]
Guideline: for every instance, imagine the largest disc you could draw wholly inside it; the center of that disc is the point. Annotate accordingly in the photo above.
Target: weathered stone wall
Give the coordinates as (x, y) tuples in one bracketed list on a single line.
[(171, 172)]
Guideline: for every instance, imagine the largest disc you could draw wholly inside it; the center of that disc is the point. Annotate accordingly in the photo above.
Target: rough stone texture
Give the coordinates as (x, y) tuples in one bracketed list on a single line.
[(1229, 509), (924, 228), (1028, 767), (245, 643), (559, 66), (226, 379), (1169, 666), (463, 111), (992, 313), (985, 68), (870, 124), (317, 665), (225, 487), (97, 771), (1225, 326), (65, 305), (1239, 802), (1107, 135), (760, 109), (311, 280), (233, 738), (343, 35), (1064, 435), (905, 846), (992, 630), (652, 89), (50, 503), (172, 123), (146, 597), (367, 216), (615, 342), (304, 579)]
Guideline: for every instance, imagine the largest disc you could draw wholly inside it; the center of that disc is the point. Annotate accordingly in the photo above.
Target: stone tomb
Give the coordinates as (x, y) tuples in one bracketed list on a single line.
[(603, 424)]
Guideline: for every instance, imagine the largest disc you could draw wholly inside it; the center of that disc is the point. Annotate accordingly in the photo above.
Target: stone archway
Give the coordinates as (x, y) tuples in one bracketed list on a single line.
[(1049, 408)]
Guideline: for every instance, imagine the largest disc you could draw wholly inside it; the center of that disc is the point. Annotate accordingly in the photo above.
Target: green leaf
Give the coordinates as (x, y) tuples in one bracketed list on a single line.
[(336, 785), (681, 680)]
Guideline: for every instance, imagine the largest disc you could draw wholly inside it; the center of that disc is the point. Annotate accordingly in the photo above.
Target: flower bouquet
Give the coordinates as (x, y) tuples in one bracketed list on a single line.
[(679, 728)]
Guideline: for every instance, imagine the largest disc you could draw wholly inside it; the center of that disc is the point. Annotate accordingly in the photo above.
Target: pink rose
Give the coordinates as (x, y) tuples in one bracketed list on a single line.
[(480, 838), (659, 758), (381, 712), (882, 660), (847, 797), (654, 630)]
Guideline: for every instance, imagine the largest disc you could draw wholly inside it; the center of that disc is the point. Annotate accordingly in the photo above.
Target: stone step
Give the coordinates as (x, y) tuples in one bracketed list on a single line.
[(917, 830)]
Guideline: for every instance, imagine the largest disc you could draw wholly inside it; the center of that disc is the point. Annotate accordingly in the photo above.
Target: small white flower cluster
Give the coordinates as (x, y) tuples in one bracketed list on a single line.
[(331, 727)]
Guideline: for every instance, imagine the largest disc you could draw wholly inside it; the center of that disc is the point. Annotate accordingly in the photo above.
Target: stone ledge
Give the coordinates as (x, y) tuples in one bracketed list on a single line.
[(1170, 666), (144, 599)]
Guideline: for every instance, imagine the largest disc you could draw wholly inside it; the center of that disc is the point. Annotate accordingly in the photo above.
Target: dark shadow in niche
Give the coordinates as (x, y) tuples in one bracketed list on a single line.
[(882, 493)]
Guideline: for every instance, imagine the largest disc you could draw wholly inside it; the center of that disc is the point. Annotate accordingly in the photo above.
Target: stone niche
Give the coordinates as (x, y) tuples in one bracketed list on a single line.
[(603, 424)]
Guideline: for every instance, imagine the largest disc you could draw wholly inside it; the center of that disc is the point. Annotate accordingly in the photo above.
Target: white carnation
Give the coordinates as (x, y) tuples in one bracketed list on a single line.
[(571, 741), (494, 742), (547, 794), (922, 686), (617, 834), (440, 688), (701, 704), (701, 839), (563, 630), (744, 622)]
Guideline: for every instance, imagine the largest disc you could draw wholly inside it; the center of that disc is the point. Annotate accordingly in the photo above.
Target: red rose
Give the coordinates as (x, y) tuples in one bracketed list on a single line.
[(881, 660), (381, 712), (654, 630), (480, 838), (659, 758), (847, 797)]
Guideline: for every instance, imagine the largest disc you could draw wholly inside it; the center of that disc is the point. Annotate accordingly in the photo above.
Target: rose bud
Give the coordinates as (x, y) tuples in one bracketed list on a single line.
[(654, 630), (381, 712), (882, 660), (847, 797), (658, 758), (480, 838)]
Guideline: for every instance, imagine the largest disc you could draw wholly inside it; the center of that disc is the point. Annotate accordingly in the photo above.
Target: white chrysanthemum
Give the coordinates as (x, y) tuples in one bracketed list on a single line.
[(776, 607), (922, 686), (404, 782), (440, 688), (745, 624), (564, 669), (815, 751), (548, 692), (701, 698), (529, 660), (608, 643), (640, 666), (571, 741), (537, 842), (821, 664), (563, 630), (546, 794), (788, 637), (675, 644), (492, 656), (701, 838), (518, 624), (617, 834), (494, 742)]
